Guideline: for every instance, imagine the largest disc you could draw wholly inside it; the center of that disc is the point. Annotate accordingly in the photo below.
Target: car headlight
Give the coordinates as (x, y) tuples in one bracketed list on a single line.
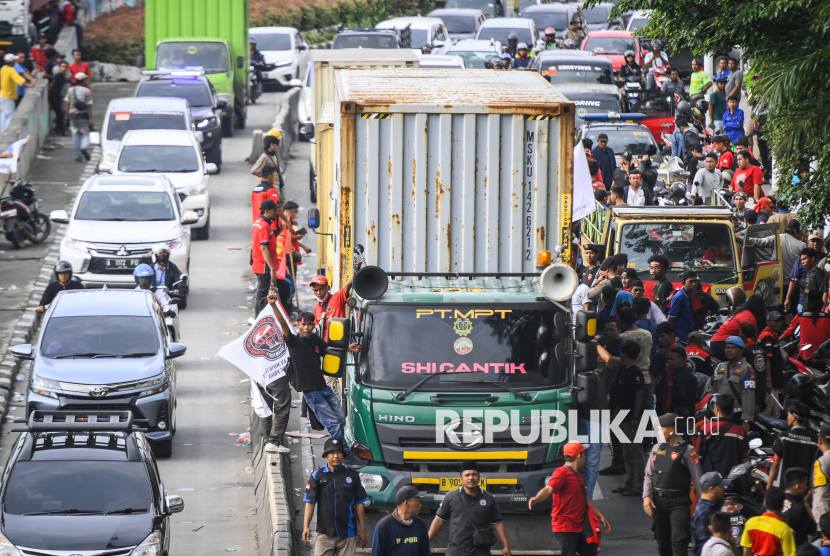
[(151, 546), (206, 122), (227, 97), (194, 190), (109, 156), (160, 382), (7, 548), (283, 63), (38, 384), (75, 244), (372, 482), (174, 243)]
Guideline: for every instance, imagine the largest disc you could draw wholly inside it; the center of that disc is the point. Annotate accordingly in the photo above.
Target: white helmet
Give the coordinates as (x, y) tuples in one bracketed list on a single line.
[(521, 46), (159, 248)]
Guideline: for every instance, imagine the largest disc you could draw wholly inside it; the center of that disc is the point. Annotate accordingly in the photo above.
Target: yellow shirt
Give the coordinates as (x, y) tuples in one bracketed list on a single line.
[(9, 81)]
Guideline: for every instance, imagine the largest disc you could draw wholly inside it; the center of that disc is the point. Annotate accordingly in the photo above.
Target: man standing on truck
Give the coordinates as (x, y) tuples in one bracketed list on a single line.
[(604, 156), (472, 512), (684, 303)]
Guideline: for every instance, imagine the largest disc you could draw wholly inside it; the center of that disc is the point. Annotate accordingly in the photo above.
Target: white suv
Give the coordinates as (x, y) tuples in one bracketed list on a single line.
[(114, 223), (176, 155)]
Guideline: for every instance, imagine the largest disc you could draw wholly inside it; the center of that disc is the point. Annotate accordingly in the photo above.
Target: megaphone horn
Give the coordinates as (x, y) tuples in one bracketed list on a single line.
[(370, 282), (558, 282)]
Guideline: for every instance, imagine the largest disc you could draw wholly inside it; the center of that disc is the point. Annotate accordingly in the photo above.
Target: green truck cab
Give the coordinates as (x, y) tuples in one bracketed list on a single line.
[(212, 35)]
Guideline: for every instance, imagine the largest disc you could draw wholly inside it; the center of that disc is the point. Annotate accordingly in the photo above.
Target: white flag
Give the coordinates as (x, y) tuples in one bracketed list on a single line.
[(261, 407), (9, 165), (260, 353), (584, 202)]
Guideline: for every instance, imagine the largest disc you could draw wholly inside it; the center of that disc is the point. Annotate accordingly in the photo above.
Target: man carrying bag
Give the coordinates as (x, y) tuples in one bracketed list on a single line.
[(476, 523)]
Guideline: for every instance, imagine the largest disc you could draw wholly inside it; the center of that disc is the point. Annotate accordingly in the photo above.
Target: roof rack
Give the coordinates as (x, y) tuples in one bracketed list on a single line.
[(68, 421), (187, 71)]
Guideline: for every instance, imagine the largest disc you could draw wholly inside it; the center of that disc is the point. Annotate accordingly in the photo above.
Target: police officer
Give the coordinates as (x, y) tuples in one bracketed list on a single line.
[(338, 493), (590, 257), (671, 468), (736, 378)]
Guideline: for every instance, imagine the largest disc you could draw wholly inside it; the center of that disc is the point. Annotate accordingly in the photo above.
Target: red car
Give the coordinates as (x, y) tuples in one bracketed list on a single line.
[(659, 109), (613, 44)]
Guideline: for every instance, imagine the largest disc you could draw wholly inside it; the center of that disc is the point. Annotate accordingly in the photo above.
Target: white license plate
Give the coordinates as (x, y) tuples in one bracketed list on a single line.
[(115, 264), (8, 213)]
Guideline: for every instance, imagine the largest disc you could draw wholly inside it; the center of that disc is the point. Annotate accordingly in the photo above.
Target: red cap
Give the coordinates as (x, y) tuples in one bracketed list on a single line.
[(320, 279), (763, 202), (573, 449)]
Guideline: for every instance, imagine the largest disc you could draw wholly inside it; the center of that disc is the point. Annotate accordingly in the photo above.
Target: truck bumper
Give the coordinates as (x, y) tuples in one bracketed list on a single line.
[(512, 490)]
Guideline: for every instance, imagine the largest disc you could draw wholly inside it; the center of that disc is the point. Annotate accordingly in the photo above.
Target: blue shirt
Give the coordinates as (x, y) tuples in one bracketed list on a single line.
[(681, 309), (725, 74), (701, 520), (161, 275), (646, 324), (733, 124), (21, 90), (678, 143)]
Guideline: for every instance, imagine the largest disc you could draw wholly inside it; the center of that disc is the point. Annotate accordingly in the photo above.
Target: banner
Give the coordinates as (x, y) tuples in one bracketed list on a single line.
[(260, 353), (9, 165), (260, 405), (584, 202)]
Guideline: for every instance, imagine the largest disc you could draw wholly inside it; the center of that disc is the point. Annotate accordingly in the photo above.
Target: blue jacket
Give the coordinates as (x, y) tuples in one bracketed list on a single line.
[(733, 124), (412, 540), (678, 143), (607, 164)]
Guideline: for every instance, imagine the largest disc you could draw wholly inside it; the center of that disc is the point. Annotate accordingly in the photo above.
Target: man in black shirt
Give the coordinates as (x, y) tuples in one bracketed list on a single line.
[(627, 395), (65, 282), (797, 447), (590, 256), (795, 513), (684, 387), (469, 503), (339, 495), (663, 289), (305, 350)]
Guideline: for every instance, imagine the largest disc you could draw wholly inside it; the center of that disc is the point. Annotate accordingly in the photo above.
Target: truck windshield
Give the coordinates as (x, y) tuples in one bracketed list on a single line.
[(699, 246), (212, 56), (468, 343)]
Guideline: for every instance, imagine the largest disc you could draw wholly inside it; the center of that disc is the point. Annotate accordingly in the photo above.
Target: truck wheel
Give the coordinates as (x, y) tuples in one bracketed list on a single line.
[(241, 116), (214, 155), (227, 126), (311, 185), (203, 233)]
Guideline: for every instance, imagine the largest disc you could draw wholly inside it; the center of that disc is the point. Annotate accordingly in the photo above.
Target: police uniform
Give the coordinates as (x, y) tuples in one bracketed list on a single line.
[(670, 471), (738, 382)]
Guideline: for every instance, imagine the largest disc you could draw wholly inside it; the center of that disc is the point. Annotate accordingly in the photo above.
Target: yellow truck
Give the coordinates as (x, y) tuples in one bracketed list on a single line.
[(317, 108), (699, 238)]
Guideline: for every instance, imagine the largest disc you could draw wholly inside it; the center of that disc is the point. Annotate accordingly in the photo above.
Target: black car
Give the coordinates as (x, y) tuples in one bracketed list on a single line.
[(86, 483), (592, 99), (207, 111), (560, 67)]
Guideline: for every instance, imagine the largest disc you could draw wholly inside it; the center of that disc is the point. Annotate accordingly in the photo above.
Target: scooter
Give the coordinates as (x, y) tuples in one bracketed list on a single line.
[(21, 218), (656, 78), (256, 83), (179, 291), (633, 92), (171, 321), (746, 493)]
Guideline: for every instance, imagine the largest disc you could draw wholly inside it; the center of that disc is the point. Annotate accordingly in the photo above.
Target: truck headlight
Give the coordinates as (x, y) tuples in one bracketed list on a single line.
[(283, 63), (7, 548), (37, 386), (194, 190), (75, 244), (372, 482), (151, 546)]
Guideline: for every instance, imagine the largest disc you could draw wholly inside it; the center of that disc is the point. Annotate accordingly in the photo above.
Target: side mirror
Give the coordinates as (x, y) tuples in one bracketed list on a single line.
[(190, 217), (587, 384), (240, 62), (222, 104), (585, 358), (200, 136), (334, 361), (105, 167), (94, 137), (59, 217), (302, 47), (308, 128), (175, 350), (585, 327), (295, 83), (211, 168), (23, 351), (755, 443), (175, 504), (339, 330), (313, 218), (438, 44), (749, 257)]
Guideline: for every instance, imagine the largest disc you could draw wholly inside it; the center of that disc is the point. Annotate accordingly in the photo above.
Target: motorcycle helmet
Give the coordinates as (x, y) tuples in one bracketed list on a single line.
[(660, 190), (252, 41), (569, 44), (678, 190), (799, 387), (63, 266), (513, 39), (657, 45), (488, 62), (144, 276), (159, 248), (521, 46), (627, 54), (703, 106), (684, 109), (736, 296), (550, 33)]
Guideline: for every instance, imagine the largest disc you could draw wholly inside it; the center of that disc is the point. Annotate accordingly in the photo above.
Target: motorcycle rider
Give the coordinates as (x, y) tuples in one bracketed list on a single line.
[(144, 279), (674, 85), (796, 447), (574, 33), (656, 59), (631, 67), (512, 44), (522, 58), (257, 60), (64, 282), (677, 196), (550, 39), (165, 272)]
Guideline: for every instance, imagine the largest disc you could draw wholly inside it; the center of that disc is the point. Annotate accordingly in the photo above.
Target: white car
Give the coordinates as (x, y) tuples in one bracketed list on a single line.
[(125, 114), (175, 155), (285, 48), (500, 28), (425, 30), (441, 61), (462, 23), (114, 223), (472, 51)]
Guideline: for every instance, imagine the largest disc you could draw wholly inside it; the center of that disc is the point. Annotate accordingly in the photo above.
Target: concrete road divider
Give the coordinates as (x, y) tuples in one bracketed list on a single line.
[(286, 123)]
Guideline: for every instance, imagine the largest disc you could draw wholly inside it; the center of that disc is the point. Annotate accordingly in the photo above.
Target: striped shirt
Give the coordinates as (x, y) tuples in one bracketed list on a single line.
[(768, 535)]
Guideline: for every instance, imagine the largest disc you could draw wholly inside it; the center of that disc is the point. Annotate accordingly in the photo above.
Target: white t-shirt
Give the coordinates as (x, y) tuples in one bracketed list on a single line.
[(636, 198), (708, 181), (580, 297)]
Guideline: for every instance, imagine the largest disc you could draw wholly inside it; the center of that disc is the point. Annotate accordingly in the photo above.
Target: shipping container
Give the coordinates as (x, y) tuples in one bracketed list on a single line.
[(450, 170), (318, 91)]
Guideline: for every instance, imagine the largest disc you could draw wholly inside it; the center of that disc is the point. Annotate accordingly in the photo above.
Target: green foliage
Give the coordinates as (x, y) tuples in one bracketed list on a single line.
[(788, 45), (106, 49)]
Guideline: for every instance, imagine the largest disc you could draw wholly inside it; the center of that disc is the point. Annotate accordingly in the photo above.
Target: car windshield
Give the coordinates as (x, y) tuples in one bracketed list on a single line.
[(212, 56), (374, 40), (508, 344), (699, 246), (620, 140), (473, 60), (192, 90), (99, 335), (158, 158), (609, 45), (594, 106), (42, 487), (596, 15), (654, 104), (272, 41), (120, 123), (486, 6), (420, 37), (501, 34), (130, 206), (459, 23), (558, 21), (637, 24), (575, 72)]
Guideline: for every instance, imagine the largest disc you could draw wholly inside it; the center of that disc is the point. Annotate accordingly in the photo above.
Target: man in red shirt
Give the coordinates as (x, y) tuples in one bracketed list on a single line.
[(39, 51), (264, 253), (726, 160), (570, 502), (265, 190), (747, 178), (329, 306), (78, 66)]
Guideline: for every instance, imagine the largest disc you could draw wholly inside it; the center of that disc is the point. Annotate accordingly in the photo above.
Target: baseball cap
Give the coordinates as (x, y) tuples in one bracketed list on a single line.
[(763, 202), (602, 137), (572, 450), (736, 340), (740, 194), (320, 280), (713, 479), (627, 155), (696, 336), (775, 316), (333, 444), (668, 419), (9, 57), (794, 225), (815, 235), (407, 492), (267, 204), (80, 76)]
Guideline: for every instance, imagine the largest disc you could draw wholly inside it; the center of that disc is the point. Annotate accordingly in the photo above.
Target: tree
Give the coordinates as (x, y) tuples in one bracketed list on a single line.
[(788, 45)]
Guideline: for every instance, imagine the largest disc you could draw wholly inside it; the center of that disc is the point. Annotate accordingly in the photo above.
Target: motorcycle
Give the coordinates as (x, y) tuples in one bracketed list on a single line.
[(178, 293), (745, 497), (814, 366), (256, 82), (632, 92), (171, 318), (20, 216), (656, 78)]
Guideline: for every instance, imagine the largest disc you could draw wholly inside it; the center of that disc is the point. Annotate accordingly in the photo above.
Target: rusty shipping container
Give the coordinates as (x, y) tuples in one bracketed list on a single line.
[(450, 170)]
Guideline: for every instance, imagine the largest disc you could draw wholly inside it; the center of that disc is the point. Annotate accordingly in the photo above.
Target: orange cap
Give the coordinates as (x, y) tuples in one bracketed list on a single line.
[(573, 449)]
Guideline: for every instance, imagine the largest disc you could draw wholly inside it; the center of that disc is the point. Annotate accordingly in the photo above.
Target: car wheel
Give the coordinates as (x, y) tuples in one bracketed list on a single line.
[(227, 126), (214, 155), (203, 233), (163, 448)]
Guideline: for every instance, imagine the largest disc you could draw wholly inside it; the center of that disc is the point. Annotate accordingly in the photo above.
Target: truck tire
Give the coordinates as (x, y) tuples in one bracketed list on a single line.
[(311, 185), (241, 116), (214, 155), (227, 126)]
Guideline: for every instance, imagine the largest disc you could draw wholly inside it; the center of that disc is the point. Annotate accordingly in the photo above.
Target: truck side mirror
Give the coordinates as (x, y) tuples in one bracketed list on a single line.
[(587, 384), (335, 359), (308, 129), (339, 330), (585, 358), (313, 218), (749, 257), (585, 327), (240, 62), (139, 60)]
